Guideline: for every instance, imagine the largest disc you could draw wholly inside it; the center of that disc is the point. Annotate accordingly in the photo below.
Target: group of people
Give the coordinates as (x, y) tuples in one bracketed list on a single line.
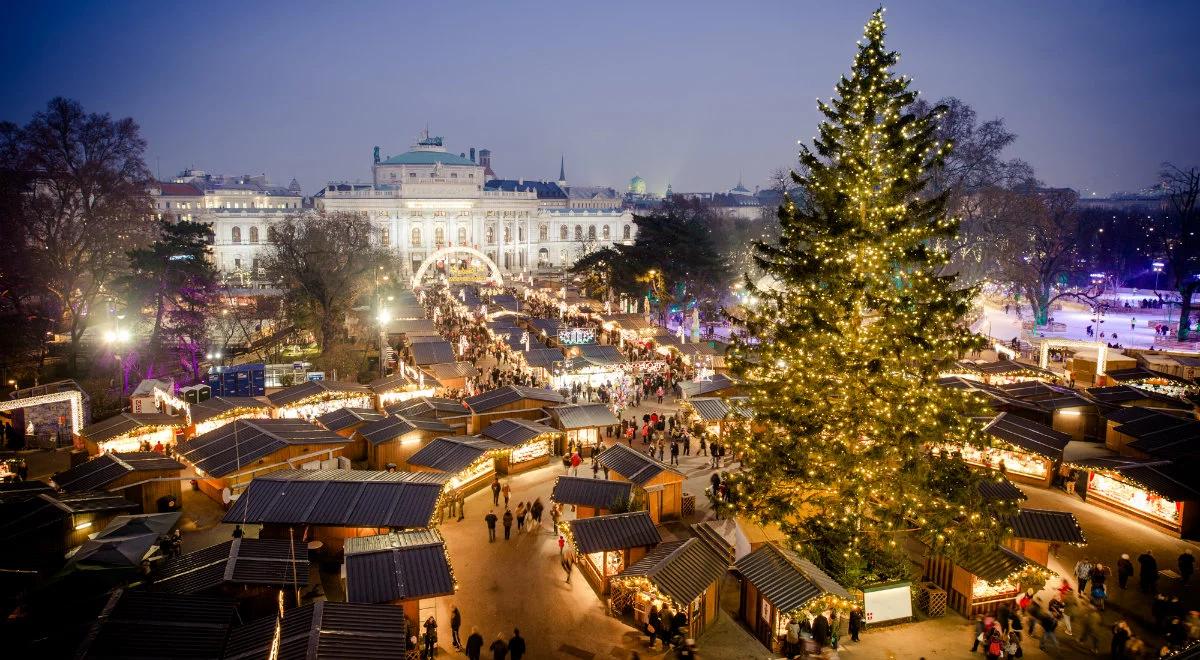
[(808, 636), (532, 511), (502, 649)]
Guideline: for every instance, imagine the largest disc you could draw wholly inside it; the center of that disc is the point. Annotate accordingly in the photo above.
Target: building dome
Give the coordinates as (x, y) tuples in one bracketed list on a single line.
[(637, 185)]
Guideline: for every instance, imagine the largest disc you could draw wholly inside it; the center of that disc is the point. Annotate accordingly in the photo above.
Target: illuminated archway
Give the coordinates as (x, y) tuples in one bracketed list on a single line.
[(72, 396), (493, 269)]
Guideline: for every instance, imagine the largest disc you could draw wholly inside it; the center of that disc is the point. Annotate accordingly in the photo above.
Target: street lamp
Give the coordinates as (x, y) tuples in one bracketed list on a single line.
[(117, 337), (1158, 269), (385, 317)]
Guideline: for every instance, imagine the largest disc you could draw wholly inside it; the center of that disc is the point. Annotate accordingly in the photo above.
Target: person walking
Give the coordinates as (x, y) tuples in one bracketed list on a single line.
[(596, 470), (491, 523), (562, 542), (1124, 571), (455, 624), (856, 623), (507, 490), (516, 645), (821, 630), (1087, 622), (653, 623), (567, 567), (555, 513), (703, 447), (462, 505), (536, 512), (474, 644), (520, 517), (1187, 566), (508, 521), (1148, 575), (575, 461), (499, 648), (674, 452), (496, 491), (1120, 638), (1083, 568)]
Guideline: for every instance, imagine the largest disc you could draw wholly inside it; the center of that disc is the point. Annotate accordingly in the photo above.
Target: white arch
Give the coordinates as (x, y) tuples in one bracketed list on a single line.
[(505, 312), (493, 269), (73, 396)]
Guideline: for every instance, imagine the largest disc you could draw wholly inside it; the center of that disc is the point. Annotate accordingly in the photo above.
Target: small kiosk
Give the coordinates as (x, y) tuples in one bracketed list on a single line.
[(215, 412), (408, 569), (147, 478), (605, 545), (315, 398), (1027, 452), (682, 575), (400, 386), (126, 432), (1036, 532), (468, 461), (394, 439), (592, 497), (1004, 372), (716, 385), (1146, 434), (659, 485), (583, 424), (451, 375), (778, 584), (529, 444), (1164, 495), (344, 422), (510, 401), (982, 581), (253, 572)]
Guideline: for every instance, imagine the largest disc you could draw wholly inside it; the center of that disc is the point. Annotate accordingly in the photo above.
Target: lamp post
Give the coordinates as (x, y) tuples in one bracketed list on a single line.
[(116, 338), (385, 317), (1158, 269)]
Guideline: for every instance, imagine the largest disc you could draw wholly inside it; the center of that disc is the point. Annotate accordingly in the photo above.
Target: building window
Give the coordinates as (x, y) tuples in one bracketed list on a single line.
[(490, 235), (592, 233), (462, 235), (412, 175), (543, 233), (578, 233), (625, 232), (385, 237), (439, 214), (543, 257), (271, 235), (237, 264), (507, 234), (521, 232), (491, 214), (470, 176), (439, 235), (562, 233), (254, 234), (605, 233), (416, 237), (235, 235), (454, 175)]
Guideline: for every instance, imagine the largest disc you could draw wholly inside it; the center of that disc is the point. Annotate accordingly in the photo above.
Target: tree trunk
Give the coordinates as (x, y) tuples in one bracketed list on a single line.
[(1185, 309), (1039, 303)]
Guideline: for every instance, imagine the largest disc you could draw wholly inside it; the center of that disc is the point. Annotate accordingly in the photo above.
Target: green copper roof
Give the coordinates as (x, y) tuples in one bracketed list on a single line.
[(428, 158)]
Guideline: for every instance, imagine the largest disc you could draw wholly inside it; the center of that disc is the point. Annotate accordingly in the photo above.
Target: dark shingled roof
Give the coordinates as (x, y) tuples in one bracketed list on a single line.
[(393, 426), (219, 405), (144, 625), (16, 491), (1047, 525), (345, 418), (315, 388), (1163, 435), (1119, 394), (340, 498), (397, 566), (718, 382), (601, 354), (432, 352), (1034, 390), (681, 570), (514, 432), (1137, 374), (324, 629), (1001, 489), (24, 517), (784, 578), (1028, 435), (614, 532), (709, 409), (428, 407), (396, 381), (445, 371), (633, 465), (226, 450), (503, 396), (454, 453), (102, 470), (583, 415), (596, 493), (1134, 413), (124, 423), (545, 358), (994, 565), (242, 561)]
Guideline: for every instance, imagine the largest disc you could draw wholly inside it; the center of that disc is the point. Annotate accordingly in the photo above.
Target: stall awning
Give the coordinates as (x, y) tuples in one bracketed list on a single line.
[(582, 416), (1047, 525), (1002, 367), (103, 470), (634, 465), (596, 493), (432, 352), (503, 396), (614, 532), (447, 371), (314, 388), (1000, 490), (454, 454), (681, 570), (716, 383), (1028, 435), (397, 566), (242, 561), (1163, 435), (428, 407), (514, 432), (785, 579), (124, 423), (1140, 374)]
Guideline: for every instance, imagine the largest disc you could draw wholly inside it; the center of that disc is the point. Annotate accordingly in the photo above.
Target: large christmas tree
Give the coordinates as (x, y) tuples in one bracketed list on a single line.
[(854, 327)]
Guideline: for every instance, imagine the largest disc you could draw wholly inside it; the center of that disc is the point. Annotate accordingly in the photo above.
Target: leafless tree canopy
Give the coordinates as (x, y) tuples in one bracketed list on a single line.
[(1182, 242)]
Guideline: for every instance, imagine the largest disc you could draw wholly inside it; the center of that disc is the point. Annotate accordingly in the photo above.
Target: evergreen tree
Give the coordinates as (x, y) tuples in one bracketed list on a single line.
[(852, 335)]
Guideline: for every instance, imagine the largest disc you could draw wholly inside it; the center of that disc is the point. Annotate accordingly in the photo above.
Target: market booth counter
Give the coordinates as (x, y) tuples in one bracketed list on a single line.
[(684, 575), (148, 478), (1151, 434), (592, 497), (345, 422), (407, 569), (659, 485), (401, 386), (330, 506), (605, 545), (126, 432), (529, 444), (1161, 494), (510, 401), (582, 424), (215, 412), (315, 398), (1004, 372), (394, 439), (777, 583), (983, 581), (1038, 532), (468, 462), (1026, 451), (229, 457)]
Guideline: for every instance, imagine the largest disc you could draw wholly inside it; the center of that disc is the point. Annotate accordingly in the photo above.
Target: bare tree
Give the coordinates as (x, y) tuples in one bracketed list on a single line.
[(1183, 245), (1036, 233)]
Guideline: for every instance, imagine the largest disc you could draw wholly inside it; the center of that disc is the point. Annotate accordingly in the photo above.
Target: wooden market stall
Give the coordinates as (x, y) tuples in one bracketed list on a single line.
[(401, 386), (1036, 533), (148, 478), (1069, 412), (1145, 433), (312, 399), (510, 401), (469, 462), (1161, 494), (36, 531), (451, 375), (253, 572), (331, 506), (543, 362), (656, 483), (327, 629), (451, 412), (430, 350), (345, 422), (529, 444), (592, 497), (1004, 372), (1156, 381), (1134, 397), (982, 581), (1083, 365), (582, 424), (777, 583), (715, 417), (605, 545), (215, 412), (408, 569), (227, 458), (717, 385), (684, 576), (394, 439), (1026, 451), (127, 432)]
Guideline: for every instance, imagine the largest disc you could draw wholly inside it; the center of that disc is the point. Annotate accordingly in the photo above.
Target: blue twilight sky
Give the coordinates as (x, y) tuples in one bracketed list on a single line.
[(694, 93)]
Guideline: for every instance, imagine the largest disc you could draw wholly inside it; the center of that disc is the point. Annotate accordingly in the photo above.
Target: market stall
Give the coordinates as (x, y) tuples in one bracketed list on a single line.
[(468, 461), (982, 581), (510, 401), (1037, 532), (312, 399), (1023, 450), (713, 385), (1145, 433), (393, 439), (407, 383), (409, 570), (589, 497), (1161, 494), (656, 483), (345, 422), (582, 424), (684, 576), (605, 545), (714, 416), (529, 444), (1154, 381), (217, 411), (147, 478), (1004, 372), (451, 375), (128, 432)]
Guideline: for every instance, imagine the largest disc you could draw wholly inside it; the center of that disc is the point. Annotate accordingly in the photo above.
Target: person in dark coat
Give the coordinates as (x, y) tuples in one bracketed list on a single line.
[(856, 623), (1148, 577), (1187, 566), (508, 519), (430, 636), (664, 631), (455, 624), (653, 623), (491, 523), (820, 630), (474, 644), (679, 624), (516, 645), (1124, 570), (499, 648), (1120, 637), (496, 491)]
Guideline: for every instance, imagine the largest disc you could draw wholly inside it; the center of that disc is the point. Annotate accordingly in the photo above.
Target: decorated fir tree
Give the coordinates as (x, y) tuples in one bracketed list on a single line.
[(854, 327)]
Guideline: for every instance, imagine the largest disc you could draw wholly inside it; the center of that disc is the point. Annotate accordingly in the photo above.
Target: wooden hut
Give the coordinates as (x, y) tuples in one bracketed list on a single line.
[(401, 386), (451, 412), (326, 629), (1069, 412), (469, 462), (394, 439), (434, 351), (37, 531), (592, 497), (1025, 451), (1151, 380), (228, 458), (1135, 397), (215, 412), (314, 398), (529, 444), (148, 478), (331, 506), (605, 545), (775, 582), (510, 401), (983, 581), (1161, 494), (659, 485), (1145, 433), (683, 575), (135, 623), (451, 375), (251, 571), (126, 432), (1004, 372), (544, 362), (1037, 532), (407, 569), (582, 424), (345, 422), (718, 385)]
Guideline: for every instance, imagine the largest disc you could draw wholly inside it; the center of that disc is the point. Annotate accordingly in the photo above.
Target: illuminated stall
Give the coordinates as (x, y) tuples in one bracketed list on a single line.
[(605, 545), (656, 483), (544, 362), (401, 386), (529, 444), (510, 401), (315, 398), (983, 581), (1144, 433), (582, 425), (590, 364), (1153, 381), (1004, 372), (147, 478), (469, 461), (451, 375), (1024, 450), (217, 411), (127, 432), (682, 575), (716, 385), (1161, 494), (1037, 532)]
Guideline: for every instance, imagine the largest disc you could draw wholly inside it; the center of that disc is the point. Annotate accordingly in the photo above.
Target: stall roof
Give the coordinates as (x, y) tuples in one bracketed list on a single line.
[(596, 493), (710, 408), (28, 516), (325, 629), (141, 624), (412, 327), (1174, 481), (432, 352), (224, 451), (18, 491), (445, 371), (242, 561), (1028, 435), (1071, 400), (344, 418), (601, 354), (630, 321), (1119, 394), (544, 358), (1001, 489), (547, 327), (1033, 390), (1134, 413), (428, 407), (454, 453), (614, 532), (297, 393), (1163, 435), (104, 469), (1137, 374), (397, 566), (141, 523), (503, 396), (994, 565), (396, 381), (681, 570), (716, 383), (219, 405), (513, 432), (119, 425), (339, 498), (1047, 525), (1000, 367), (784, 578), (583, 415), (634, 465), (393, 426)]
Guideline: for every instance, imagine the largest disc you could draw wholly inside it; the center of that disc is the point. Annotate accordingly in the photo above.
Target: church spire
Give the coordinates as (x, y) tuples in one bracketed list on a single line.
[(562, 171)]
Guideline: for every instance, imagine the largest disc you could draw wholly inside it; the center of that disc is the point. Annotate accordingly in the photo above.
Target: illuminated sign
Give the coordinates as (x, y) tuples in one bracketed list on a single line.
[(576, 336)]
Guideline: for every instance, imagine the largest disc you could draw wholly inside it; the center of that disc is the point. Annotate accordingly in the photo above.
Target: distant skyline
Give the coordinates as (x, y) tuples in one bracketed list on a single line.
[(694, 94)]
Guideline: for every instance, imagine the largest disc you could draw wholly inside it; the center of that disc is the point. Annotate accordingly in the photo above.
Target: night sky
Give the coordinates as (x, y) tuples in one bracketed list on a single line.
[(694, 93)]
